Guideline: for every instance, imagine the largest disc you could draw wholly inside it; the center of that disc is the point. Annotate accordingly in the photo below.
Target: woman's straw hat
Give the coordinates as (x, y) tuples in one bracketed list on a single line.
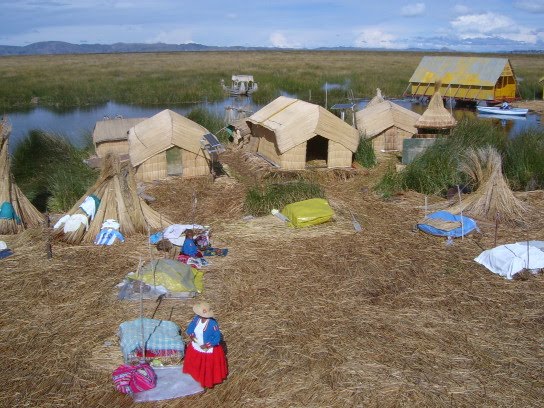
[(203, 309)]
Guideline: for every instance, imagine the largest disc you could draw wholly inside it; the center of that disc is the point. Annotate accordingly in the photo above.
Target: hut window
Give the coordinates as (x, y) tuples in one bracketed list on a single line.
[(317, 150), (173, 161)]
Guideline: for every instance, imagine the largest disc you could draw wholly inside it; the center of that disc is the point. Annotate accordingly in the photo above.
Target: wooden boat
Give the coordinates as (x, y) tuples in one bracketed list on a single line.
[(241, 85), (494, 110)]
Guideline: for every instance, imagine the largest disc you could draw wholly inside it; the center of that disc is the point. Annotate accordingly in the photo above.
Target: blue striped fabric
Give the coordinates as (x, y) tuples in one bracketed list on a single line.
[(108, 237)]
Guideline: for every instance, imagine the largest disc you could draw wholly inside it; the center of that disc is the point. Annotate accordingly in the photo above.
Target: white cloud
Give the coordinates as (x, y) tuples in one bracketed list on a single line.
[(232, 16), (412, 10), (174, 36), (532, 6), (373, 37), (492, 25), (278, 39)]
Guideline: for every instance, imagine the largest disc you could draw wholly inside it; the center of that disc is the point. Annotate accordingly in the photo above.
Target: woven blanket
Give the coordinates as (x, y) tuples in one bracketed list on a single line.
[(158, 335)]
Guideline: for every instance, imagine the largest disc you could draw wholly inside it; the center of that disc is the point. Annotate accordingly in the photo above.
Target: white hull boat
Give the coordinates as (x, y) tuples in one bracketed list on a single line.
[(494, 110), (241, 85)]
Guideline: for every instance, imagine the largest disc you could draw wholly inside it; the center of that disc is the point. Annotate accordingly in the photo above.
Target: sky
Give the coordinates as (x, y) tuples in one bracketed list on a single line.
[(489, 25)]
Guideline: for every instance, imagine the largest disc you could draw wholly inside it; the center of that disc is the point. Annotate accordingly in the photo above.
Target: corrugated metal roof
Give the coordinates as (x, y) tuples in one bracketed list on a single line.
[(294, 121), (480, 71), (113, 129)]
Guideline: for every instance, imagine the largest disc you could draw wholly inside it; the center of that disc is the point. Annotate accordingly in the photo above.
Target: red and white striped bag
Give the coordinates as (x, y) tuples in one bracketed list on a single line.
[(130, 379)]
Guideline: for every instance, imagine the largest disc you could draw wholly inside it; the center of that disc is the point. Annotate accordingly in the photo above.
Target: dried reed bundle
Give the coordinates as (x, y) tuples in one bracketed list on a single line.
[(119, 200), (29, 216), (493, 195)]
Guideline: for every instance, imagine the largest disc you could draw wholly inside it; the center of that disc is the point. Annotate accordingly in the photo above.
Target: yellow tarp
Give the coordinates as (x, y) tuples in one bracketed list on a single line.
[(308, 212), (173, 275)]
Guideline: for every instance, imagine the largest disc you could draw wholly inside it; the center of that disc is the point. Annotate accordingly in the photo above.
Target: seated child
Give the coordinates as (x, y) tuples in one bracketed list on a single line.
[(190, 248)]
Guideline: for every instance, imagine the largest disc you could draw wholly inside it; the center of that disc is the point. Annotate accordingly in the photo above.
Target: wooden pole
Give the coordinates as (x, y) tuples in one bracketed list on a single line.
[(48, 246), (326, 93), (461, 207), (496, 227)]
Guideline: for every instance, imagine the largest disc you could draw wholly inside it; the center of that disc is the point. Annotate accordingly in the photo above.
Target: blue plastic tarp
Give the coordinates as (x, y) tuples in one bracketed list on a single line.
[(467, 225)]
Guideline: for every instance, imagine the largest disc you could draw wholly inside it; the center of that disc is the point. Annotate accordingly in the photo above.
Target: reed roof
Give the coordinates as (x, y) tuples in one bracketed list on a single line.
[(294, 122), (377, 99), (376, 118), (161, 132), (113, 129), (28, 215), (436, 116)]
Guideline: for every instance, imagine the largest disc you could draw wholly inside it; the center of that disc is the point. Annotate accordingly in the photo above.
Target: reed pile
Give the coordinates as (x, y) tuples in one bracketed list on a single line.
[(12, 199), (119, 200), (493, 197)]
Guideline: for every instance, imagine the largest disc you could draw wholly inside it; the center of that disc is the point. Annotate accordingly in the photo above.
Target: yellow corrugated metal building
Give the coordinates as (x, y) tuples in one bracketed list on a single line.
[(465, 78)]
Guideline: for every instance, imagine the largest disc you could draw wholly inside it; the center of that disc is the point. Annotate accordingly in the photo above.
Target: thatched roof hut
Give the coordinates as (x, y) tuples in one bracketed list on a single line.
[(291, 133), (16, 211), (168, 144), (386, 123), (436, 118), (376, 99), (115, 190), (111, 135)]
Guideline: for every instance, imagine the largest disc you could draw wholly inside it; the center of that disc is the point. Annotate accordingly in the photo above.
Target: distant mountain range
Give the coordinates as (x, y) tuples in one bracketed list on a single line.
[(60, 47)]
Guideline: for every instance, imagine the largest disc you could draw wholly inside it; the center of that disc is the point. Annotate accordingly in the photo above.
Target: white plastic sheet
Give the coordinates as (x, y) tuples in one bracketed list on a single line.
[(507, 260), (171, 383)]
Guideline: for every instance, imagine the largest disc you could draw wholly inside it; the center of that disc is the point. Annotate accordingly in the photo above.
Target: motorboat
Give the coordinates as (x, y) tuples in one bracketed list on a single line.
[(495, 110), (241, 85)]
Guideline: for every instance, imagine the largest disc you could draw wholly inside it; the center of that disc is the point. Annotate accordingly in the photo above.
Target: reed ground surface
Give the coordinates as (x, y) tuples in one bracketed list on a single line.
[(317, 317)]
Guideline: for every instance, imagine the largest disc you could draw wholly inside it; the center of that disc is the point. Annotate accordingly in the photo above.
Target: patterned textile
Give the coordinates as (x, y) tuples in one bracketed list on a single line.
[(132, 379), (158, 335)]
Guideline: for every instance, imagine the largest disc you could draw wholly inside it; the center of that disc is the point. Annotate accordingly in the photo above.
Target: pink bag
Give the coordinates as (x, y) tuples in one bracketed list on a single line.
[(130, 379)]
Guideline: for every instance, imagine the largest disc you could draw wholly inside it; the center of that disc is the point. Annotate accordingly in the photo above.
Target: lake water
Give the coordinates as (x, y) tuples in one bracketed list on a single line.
[(77, 124)]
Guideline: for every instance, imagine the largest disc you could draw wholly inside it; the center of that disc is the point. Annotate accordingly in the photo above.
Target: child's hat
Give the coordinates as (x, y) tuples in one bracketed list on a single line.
[(203, 309)]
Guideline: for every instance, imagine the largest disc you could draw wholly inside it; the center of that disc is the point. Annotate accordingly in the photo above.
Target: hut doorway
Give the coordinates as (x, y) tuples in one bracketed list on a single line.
[(174, 165), (317, 149)]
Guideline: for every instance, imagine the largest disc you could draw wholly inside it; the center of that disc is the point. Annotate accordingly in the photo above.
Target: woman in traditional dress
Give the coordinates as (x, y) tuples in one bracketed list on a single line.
[(205, 358)]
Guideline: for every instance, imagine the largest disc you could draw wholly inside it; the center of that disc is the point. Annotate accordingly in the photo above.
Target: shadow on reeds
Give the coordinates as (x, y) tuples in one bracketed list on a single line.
[(50, 171)]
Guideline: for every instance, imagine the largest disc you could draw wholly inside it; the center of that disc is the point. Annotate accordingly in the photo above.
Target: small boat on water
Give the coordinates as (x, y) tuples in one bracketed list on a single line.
[(495, 110), (241, 85)]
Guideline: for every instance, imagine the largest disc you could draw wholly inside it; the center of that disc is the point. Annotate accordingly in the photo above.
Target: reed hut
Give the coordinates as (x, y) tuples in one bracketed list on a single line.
[(436, 120), (16, 212), (465, 78), (168, 144), (111, 135), (294, 134), (386, 124), (115, 190)]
